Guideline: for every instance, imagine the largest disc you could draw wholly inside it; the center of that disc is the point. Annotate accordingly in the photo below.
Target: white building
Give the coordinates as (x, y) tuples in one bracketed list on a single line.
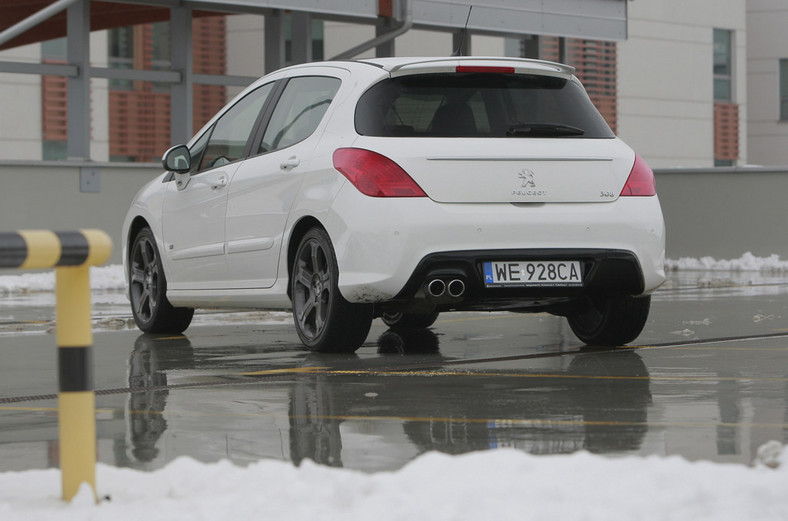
[(682, 80), (767, 72)]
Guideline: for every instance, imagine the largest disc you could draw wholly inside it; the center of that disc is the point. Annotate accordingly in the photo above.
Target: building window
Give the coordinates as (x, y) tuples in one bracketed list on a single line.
[(784, 90), (317, 39), (139, 111), (54, 100), (726, 112), (595, 64), (722, 65)]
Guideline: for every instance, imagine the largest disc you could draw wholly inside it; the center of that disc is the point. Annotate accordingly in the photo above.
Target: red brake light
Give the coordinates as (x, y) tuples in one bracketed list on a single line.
[(477, 68), (375, 175), (641, 180)]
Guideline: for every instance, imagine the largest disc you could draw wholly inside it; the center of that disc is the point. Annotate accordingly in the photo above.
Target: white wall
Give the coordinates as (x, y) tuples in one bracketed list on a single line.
[(665, 89), (767, 21), (20, 103)]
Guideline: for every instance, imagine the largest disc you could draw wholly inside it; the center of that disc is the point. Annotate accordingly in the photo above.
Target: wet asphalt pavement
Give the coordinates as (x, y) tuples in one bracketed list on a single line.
[(707, 379)]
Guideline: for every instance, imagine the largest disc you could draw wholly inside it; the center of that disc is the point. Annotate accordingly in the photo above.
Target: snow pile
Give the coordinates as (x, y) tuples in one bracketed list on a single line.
[(499, 484), (102, 278), (747, 262), (110, 278)]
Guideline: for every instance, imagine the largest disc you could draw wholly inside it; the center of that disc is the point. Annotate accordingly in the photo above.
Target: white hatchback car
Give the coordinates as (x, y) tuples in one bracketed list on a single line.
[(401, 188)]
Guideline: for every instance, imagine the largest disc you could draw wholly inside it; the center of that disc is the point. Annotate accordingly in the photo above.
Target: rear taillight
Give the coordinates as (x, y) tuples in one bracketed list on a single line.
[(641, 180), (375, 175)]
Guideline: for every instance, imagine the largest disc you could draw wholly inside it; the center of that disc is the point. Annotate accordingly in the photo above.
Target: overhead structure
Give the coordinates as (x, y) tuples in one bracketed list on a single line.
[(29, 21)]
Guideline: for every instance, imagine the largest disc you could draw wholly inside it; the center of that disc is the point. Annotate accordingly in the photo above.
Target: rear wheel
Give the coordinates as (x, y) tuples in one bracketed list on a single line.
[(409, 321), (611, 321), (324, 320), (152, 312)]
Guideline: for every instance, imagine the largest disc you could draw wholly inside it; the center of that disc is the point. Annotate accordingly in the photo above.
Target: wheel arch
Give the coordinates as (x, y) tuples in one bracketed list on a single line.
[(305, 224), (137, 224)]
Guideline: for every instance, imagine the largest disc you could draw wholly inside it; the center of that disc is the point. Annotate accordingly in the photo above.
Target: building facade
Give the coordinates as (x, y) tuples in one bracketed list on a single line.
[(767, 66), (676, 89)]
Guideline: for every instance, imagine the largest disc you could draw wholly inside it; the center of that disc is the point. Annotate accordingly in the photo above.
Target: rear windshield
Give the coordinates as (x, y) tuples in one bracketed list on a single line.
[(478, 105)]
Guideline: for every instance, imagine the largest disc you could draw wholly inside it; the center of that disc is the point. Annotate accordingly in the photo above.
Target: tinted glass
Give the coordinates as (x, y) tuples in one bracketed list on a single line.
[(478, 105), (783, 90), (230, 134), (299, 111)]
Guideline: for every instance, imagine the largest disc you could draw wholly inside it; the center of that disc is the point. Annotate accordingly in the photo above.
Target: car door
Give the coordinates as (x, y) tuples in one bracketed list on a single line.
[(193, 229), (265, 186)]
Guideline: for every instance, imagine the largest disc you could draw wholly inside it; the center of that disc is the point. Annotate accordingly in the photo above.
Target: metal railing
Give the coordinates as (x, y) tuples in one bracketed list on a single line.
[(71, 254)]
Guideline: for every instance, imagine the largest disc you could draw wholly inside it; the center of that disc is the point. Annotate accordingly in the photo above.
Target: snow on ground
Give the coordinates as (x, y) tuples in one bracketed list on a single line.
[(747, 262), (110, 278), (497, 484), (102, 278)]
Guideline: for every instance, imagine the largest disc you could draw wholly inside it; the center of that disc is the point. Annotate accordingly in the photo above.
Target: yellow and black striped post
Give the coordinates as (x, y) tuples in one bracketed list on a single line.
[(71, 254)]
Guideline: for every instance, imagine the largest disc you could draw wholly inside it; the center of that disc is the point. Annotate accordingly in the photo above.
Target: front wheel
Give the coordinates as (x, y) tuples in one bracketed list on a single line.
[(152, 312), (610, 321), (324, 320)]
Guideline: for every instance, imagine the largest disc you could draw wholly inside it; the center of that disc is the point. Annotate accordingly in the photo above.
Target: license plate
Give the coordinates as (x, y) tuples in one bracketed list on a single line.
[(529, 274)]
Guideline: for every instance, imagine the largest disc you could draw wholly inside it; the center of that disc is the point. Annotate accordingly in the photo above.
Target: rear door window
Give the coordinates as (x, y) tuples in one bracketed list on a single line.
[(298, 111), (479, 105)]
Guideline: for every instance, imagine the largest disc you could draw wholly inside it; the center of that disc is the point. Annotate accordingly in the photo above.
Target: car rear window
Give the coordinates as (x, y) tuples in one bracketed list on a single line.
[(478, 105)]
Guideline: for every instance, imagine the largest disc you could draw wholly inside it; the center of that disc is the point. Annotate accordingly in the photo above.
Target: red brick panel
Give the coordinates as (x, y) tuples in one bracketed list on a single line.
[(54, 110), (208, 51), (726, 131), (596, 67), (139, 124)]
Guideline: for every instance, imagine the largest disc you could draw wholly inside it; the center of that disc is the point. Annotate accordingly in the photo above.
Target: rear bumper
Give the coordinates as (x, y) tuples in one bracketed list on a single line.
[(383, 245), (605, 272)]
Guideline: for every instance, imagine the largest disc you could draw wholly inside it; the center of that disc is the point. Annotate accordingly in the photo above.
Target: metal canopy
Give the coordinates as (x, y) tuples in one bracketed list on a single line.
[(28, 21), (592, 19)]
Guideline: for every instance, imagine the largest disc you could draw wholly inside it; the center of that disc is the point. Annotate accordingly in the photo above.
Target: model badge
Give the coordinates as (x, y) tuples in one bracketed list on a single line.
[(528, 186)]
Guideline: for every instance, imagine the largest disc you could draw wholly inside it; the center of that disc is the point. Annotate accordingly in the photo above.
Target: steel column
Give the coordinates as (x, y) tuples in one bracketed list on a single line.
[(274, 41), (78, 54), (301, 37), (182, 92)]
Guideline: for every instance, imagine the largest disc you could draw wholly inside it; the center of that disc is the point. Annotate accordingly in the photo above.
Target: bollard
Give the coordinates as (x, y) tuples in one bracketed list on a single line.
[(71, 254)]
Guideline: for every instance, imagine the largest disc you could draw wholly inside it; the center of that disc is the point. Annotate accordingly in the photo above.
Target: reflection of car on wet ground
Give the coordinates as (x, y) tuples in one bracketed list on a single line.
[(598, 403), (401, 188), (595, 400)]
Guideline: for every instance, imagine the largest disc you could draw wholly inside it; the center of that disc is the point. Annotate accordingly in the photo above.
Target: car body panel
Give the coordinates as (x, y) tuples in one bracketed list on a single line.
[(226, 239)]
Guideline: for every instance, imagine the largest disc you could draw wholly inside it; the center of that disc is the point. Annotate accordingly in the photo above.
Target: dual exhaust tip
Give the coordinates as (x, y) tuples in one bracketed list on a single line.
[(437, 288)]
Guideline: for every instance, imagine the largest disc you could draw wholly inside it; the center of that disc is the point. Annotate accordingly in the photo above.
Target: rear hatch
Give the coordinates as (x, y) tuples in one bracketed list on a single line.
[(494, 131), (515, 170)]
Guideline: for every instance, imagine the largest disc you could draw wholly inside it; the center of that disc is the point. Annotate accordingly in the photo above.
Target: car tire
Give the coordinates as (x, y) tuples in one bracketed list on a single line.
[(409, 321), (152, 312), (324, 320), (610, 321)]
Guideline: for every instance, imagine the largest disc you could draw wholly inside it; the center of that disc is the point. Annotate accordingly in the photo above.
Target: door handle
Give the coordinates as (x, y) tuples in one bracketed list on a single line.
[(290, 163), (220, 183)]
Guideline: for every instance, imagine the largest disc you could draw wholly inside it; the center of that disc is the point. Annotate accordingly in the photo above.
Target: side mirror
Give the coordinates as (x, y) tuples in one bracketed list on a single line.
[(178, 160)]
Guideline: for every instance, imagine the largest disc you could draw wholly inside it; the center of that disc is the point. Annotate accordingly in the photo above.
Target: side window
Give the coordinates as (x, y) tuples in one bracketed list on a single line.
[(231, 132), (299, 111)]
